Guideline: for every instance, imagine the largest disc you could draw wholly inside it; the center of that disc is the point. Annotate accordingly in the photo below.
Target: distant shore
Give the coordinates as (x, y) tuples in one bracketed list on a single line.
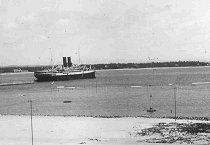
[(12, 73), (105, 66), (155, 68)]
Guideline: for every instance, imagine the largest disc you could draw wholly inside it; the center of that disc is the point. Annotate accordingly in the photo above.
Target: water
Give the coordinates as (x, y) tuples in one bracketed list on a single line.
[(112, 93)]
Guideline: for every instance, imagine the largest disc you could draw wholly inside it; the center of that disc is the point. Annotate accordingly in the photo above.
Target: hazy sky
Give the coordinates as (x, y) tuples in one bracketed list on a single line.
[(103, 31)]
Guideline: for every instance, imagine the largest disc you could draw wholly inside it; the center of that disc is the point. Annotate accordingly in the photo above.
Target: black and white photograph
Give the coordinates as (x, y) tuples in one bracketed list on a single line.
[(104, 72)]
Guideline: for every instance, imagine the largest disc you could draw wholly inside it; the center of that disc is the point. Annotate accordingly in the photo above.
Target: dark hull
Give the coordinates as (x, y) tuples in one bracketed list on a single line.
[(43, 77)]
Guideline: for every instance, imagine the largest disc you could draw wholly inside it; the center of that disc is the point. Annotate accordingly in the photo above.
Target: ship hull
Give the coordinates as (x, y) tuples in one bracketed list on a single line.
[(47, 76)]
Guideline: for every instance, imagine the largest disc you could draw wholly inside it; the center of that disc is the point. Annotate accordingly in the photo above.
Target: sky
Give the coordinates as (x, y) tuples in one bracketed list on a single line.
[(103, 31)]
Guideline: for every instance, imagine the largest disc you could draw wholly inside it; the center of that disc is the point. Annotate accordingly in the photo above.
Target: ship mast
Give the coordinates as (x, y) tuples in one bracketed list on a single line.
[(79, 61), (51, 60)]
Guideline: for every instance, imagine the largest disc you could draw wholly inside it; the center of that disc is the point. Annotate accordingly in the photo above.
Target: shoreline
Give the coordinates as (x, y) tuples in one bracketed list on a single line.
[(56, 130), (111, 117)]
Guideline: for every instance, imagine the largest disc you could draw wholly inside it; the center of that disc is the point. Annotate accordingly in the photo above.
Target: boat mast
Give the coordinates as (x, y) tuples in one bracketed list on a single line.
[(153, 78), (175, 89), (151, 110), (79, 56), (51, 60), (150, 102)]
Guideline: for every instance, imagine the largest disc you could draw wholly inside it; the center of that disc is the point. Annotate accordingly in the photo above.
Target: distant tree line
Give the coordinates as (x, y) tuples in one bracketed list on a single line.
[(114, 66), (150, 65)]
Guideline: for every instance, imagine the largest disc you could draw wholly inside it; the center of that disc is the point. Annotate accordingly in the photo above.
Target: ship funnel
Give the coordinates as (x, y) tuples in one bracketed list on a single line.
[(69, 62), (64, 62)]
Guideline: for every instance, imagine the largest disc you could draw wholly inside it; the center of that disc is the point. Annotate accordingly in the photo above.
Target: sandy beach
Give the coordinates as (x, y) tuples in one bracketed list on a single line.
[(59, 130)]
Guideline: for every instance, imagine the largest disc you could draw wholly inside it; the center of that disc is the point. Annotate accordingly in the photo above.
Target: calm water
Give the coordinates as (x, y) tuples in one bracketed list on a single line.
[(112, 93)]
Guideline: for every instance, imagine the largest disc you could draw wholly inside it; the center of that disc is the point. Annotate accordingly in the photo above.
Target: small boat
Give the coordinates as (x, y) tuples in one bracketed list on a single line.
[(67, 71)]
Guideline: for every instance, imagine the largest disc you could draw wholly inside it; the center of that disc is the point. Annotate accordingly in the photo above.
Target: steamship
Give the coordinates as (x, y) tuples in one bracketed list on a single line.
[(67, 71)]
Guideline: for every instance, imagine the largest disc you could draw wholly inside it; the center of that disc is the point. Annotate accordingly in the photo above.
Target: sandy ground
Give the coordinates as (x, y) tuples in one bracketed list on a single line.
[(58, 130)]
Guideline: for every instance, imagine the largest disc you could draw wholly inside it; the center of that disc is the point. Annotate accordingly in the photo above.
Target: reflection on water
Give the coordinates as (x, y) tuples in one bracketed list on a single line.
[(112, 93)]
